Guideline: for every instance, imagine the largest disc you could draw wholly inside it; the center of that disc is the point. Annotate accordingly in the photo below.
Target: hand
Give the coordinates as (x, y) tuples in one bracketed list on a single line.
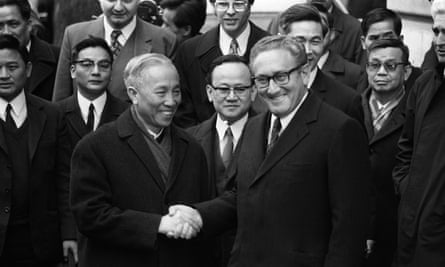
[(187, 214), (175, 227), (70, 245), (369, 247)]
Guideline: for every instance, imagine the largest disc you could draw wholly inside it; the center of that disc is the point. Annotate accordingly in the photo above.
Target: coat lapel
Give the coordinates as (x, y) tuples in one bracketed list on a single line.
[(179, 150), (128, 129), (74, 117), (43, 63), (36, 120), (319, 85), (208, 49), (367, 113), (111, 110), (205, 135), (3, 142), (295, 132), (334, 64)]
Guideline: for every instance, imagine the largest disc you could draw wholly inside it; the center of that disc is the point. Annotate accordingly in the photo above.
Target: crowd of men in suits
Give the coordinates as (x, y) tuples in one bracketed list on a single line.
[(314, 143)]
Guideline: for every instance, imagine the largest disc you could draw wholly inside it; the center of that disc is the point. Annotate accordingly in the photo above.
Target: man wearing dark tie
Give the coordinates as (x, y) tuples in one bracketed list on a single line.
[(302, 175), (127, 173), (235, 34), (231, 91), (127, 35), (92, 105), (36, 224)]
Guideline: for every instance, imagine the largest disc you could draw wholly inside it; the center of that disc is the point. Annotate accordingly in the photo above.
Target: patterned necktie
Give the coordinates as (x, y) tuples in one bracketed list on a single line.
[(90, 120), (234, 47), (276, 128), (228, 148), (116, 47), (10, 123)]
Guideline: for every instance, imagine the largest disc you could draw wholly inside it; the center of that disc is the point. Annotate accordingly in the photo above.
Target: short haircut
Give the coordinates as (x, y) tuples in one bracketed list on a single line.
[(379, 15), (188, 13), (283, 42), (390, 42), (91, 41), (222, 60), (23, 6), (302, 12), (136, 65), (437, 7), (250, 1), (8, 41)]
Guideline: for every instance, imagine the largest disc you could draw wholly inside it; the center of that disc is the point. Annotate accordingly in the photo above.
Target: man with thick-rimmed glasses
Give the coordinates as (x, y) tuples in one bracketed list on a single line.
[(233, 35)]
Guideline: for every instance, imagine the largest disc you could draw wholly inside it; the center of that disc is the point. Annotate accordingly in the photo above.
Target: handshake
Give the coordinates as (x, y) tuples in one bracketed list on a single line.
[(181, 222)]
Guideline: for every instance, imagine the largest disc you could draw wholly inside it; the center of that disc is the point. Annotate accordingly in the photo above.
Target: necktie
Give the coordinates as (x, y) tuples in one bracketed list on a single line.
[(228, 148), (10, 123), (90, 120), (116, 47), (234, 47), (276, 128)]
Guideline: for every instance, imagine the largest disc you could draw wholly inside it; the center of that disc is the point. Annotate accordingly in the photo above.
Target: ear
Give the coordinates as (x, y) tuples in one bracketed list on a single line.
[(73, 71), (407, 72), (362, 40), (209, 93), (132, 93), (28, 69)]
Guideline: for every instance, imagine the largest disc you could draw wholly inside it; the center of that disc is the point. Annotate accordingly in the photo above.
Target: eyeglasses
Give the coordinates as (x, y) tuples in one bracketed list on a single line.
[(437, 30), (239, 91), (104, 65), (280, 78), (238, 6), (389, 66)]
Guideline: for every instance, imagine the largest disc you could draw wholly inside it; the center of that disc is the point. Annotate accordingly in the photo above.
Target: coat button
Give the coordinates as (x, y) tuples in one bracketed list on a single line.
[(6, 209)]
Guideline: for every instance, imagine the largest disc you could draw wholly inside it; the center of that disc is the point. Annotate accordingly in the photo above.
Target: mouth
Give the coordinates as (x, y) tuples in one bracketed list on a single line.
[(380, 82), (230, 21), (5, 85)]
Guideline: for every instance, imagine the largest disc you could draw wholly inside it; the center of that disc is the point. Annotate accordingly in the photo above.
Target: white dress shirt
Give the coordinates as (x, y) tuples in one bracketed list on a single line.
[(19, 111), (225, 40), (236, 127), (98, 103), (126, 31)]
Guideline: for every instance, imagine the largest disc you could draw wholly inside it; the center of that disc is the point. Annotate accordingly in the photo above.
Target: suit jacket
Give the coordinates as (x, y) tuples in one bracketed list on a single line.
[(50, 218), (419, 176), (338, 95), (76, 126), (342, 70), (44, 57), (306, 202), (193, 61), (383, 150), (146, 38), (118, 197)]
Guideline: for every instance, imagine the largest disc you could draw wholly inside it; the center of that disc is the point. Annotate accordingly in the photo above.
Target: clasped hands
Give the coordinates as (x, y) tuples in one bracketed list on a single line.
[(181, 222)]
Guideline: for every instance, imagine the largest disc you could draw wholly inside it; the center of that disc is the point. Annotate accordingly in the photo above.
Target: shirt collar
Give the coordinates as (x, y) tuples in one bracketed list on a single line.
[(286, 119), (99, 105), (323, 60), (19, 110), (126, 31), (236, 127), (242, 39), (142, 125)]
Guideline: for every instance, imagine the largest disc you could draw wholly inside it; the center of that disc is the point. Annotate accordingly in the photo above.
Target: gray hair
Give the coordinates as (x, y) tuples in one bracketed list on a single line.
[(133, 71), (437, 7)]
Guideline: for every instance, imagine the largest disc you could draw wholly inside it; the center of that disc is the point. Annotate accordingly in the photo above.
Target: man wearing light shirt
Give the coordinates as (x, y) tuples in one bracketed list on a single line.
[(127, 35), (234, 35), (305, 23), (92, 105)]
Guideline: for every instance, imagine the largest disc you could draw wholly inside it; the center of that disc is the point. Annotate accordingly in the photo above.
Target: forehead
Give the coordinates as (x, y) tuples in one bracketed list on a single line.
[(231, 71), (10, 11), (385, 54), (439, 21), (159, 73), (272, 61), (381, 27), (94, 52), (10, 55), (305, 28)]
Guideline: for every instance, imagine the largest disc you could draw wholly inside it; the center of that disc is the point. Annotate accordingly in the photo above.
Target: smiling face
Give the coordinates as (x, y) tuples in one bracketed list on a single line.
[(158, 96), (93, 80), (231, 107), (280, 99), (119, 12), (13, 73), (233, 22), (383, 81)]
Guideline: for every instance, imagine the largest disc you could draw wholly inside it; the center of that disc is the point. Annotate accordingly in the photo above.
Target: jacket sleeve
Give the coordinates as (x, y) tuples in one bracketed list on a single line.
[(63, 86)]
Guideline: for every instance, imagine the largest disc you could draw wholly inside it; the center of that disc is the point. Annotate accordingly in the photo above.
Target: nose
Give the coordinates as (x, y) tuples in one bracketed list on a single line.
[(170, 100), (4, 74), (95, 70), (4, 29), (382, 70), (231, 10), (273, 87), (440, 38), (231, 96), (118, 5), (308, 48)]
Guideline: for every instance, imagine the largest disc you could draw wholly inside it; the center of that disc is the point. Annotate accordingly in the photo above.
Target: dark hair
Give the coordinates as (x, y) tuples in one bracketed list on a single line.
[(302, 12), (8, 41), (250, 1), (390, 42), (23, 6), (188, 13), (378, 15), (224, 59), (322, 9), (91, 41)]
